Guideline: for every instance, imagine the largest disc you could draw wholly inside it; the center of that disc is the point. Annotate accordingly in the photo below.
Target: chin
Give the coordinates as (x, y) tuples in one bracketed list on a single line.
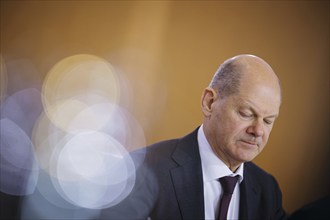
[(246, 157)]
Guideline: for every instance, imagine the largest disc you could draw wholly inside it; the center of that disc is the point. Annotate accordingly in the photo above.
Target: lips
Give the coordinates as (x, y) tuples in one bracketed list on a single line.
[(250, 143)]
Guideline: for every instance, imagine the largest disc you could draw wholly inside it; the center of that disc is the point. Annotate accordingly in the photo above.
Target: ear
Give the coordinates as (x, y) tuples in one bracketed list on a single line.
[(208, 98)]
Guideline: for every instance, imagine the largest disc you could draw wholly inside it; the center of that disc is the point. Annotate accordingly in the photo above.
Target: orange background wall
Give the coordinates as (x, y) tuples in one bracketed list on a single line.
[(169, 52)]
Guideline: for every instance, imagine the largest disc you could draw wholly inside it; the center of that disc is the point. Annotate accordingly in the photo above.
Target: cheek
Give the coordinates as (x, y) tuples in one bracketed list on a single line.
[(229, 127), (266, 136), (235, 128)]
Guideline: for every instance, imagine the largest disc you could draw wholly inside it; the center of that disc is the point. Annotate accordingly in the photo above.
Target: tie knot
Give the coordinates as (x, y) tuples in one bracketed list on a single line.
[(228, 183)]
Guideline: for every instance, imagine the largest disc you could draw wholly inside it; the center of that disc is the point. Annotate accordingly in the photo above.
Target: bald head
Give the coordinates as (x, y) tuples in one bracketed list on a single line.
[(242, 69)]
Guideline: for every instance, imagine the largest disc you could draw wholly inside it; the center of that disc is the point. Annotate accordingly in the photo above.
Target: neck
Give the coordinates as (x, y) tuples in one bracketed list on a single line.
[(232, 165)]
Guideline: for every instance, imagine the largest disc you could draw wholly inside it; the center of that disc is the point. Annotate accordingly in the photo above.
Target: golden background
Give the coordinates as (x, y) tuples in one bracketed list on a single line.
[(169, 50)]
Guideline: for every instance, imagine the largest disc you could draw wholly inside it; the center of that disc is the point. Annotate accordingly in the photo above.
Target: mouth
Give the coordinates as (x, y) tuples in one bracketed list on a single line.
[(250, 143)]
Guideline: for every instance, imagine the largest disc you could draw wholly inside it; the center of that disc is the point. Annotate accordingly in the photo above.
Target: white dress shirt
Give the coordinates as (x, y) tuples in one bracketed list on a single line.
[(213, 168)]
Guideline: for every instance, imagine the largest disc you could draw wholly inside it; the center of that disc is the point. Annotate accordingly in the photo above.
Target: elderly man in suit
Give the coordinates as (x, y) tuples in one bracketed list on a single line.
[(182, 178)]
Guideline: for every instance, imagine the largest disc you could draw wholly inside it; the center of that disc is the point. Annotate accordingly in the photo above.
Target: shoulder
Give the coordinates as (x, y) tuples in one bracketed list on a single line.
[(166, 148), (258, 174), (173, 152), (163, 147), (252, 168), (318, 209)]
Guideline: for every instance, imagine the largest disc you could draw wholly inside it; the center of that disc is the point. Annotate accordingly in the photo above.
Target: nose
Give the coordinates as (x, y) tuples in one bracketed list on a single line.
[(256, 129)]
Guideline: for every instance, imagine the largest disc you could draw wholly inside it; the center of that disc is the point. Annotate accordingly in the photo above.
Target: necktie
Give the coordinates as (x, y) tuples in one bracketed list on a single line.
[(228, 184)]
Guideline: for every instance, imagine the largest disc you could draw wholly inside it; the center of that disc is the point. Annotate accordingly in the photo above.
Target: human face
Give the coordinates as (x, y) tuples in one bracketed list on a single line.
[(238, 126)]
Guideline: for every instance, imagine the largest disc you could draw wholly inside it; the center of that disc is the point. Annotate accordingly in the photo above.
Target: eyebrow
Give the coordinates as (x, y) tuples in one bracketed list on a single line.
[(247, 105)]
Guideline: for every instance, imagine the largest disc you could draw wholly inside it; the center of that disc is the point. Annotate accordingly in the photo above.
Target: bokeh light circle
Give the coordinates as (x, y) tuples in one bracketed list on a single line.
[(19, 167), (93, 170), (78, 81)]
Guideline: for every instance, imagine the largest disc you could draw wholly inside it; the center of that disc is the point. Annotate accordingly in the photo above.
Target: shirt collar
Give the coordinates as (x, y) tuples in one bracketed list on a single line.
[(213, 167)]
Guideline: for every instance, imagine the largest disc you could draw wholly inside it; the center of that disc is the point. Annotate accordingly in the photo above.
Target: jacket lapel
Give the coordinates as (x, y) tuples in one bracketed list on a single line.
[(187, 178), (249, 197)]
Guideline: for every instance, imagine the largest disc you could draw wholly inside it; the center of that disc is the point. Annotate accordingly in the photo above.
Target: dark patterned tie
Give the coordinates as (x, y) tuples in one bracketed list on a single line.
[(228, 184)]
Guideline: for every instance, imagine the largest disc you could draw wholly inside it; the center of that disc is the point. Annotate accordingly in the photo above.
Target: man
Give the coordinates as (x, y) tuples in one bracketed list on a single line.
[(180, 179)]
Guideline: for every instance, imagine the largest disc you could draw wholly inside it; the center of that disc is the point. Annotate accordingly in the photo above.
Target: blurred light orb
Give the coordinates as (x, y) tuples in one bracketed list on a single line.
[(23, 107), (127, 130), (120, 125), (124, 128), (93, 170), (19, 168), (74, 115), (83, 137), (45, 137), (77, 82), (85, 117), (93, 161)]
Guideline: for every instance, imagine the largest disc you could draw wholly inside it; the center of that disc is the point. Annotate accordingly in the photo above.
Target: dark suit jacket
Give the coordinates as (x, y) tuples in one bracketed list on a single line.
[(170, 186)]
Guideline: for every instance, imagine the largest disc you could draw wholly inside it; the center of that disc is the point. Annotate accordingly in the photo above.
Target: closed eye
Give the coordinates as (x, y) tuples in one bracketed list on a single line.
[(246, 114), (268, 122)]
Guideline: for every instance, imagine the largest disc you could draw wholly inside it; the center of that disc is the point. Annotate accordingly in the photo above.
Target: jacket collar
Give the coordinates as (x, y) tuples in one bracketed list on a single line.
[(249, 196), (187, 177)]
